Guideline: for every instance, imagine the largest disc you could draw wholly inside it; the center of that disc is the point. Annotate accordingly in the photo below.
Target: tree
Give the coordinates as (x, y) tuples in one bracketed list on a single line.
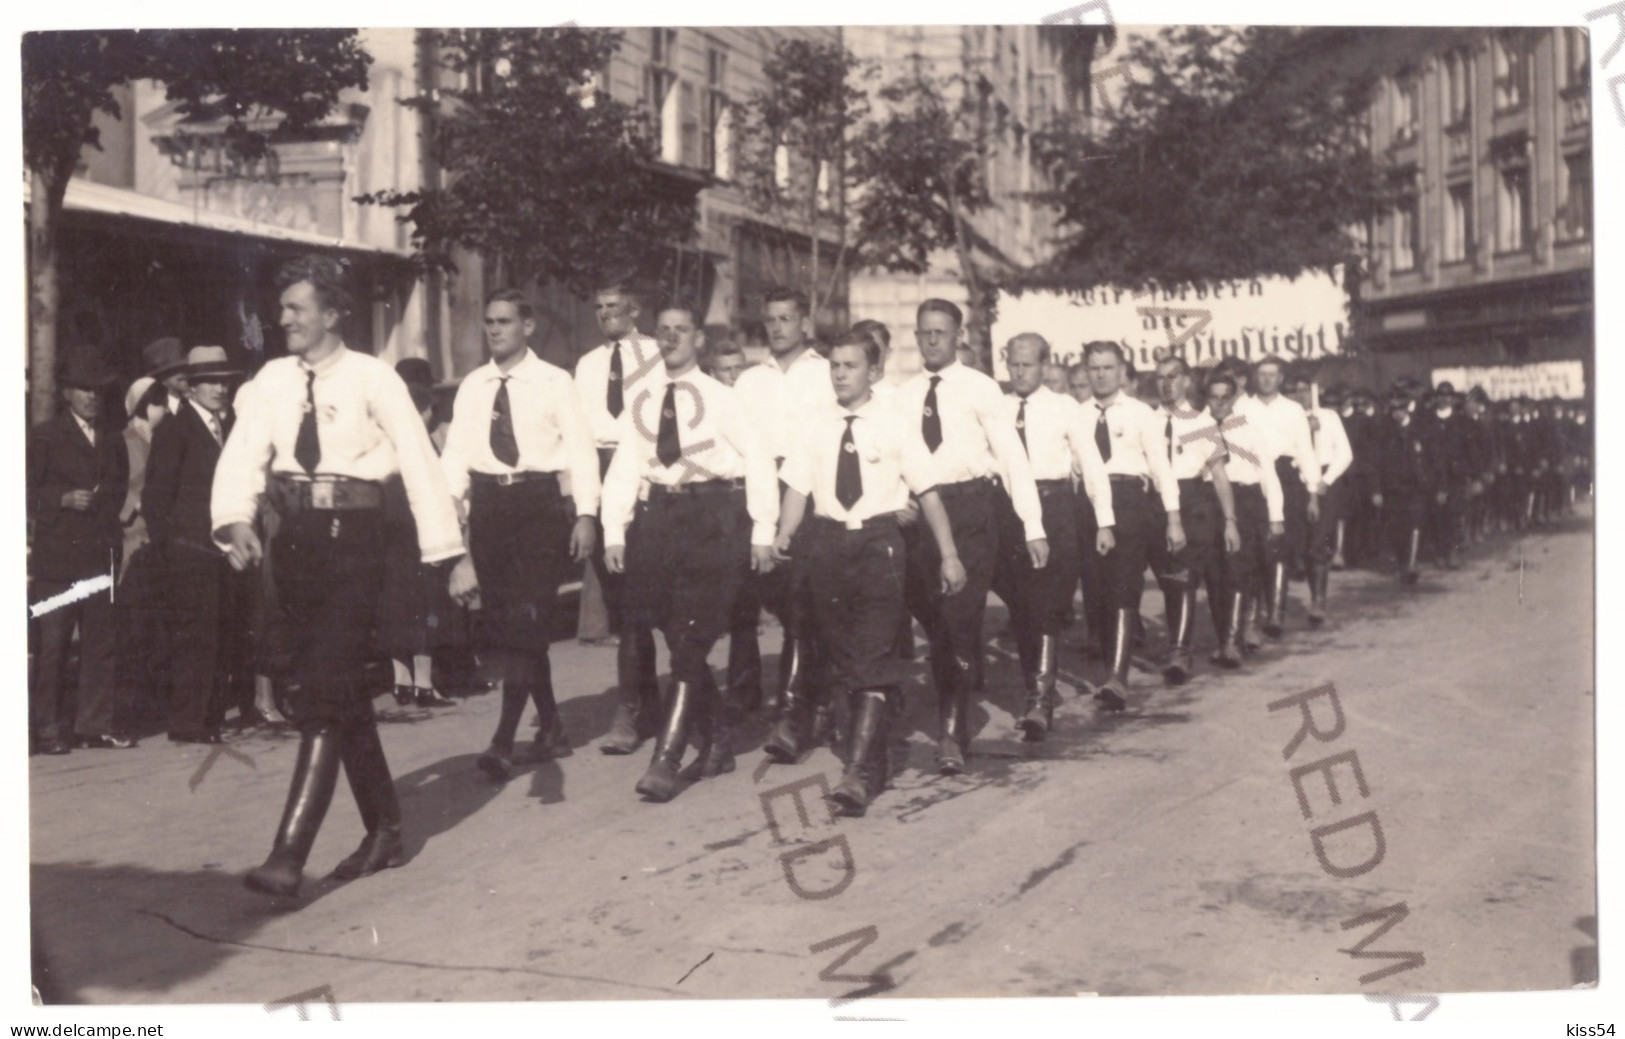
[(545, 176), (267, 85), (808, 110), (1234, 153), (922, 167)]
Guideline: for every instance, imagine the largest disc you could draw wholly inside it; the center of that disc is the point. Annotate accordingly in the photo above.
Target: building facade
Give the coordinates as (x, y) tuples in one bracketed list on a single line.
[(1482, 270)]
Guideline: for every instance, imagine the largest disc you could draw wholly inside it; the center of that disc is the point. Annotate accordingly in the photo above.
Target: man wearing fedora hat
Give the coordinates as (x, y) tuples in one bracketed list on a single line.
[(165, 360), (205, 600), (78, 473)]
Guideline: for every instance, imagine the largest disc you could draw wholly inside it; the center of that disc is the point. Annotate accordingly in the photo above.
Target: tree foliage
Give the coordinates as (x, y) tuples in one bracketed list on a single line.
[(264, 84), (1229, 156), (544, 175)]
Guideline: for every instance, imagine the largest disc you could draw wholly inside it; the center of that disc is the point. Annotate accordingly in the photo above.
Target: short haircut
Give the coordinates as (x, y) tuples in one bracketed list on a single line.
[(1271, 359), (514, 296), (1076, 368), (1031, 337), (1220, 377), (325, 275), (877, 329), (1103, 346), (1184, 366), (852, 337), (683, 303), (725, 348), (785, 294), (620, 286), (940, 306)]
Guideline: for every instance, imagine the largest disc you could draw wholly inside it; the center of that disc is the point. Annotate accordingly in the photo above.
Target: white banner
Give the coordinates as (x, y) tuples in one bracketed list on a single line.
[(1540, 380), (1250, 318)]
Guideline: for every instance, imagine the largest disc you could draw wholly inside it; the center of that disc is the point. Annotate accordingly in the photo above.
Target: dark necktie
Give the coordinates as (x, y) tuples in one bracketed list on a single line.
[(1168, 434), (503, 444), (931, 423), (848, 477), (1103, 435), (667, 447), (307, 449), (617, 398), (214, 429), (1021, 425)]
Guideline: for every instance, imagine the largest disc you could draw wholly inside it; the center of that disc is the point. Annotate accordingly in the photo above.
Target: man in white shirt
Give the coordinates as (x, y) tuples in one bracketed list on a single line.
[(518, 440), (1286, 429), (606, 378), (959, 413), (322, 430), (1333, 456), (791, 388), (1132, 445), (689, 508), (1256, 492), (856, 465), (1207, 511), (1052, 432)]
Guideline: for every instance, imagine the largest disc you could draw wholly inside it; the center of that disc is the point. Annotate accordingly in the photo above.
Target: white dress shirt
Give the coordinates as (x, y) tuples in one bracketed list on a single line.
[(1332, 448), (1286, 431), (1059, 443), (978, 438), (718, 443), (215, 424), (175, 402), (640, 358), (548, 426), (779, 399), (1249, 462), (1196, 442), (892, 463), (1138, 445), (368, 429), (84, 427)]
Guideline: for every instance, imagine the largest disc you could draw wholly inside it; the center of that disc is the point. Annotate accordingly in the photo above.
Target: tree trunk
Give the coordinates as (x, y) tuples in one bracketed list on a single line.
[(44, 207)]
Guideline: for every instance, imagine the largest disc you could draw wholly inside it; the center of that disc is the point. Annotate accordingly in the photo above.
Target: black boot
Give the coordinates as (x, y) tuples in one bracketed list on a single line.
[(1228, 655), (660, 782), (374, 788), (792, 662), (1319, 577), (953, 702), (784, 745), (637, 714), (1113, 693), (315, 773), (860, 781), (1181, 627), (1249, 624), (1275, 602), (1040, 707), (713, 738)]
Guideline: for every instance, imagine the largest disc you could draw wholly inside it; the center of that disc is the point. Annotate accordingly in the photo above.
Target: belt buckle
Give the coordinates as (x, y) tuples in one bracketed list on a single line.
[(321, 494), (505, 479)]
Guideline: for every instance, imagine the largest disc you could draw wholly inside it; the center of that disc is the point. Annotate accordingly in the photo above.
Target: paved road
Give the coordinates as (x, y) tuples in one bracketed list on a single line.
[(1160, 852)]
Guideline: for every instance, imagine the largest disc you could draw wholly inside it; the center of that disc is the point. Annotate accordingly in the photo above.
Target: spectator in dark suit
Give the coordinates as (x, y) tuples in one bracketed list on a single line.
[(205, 598), (77, 477)]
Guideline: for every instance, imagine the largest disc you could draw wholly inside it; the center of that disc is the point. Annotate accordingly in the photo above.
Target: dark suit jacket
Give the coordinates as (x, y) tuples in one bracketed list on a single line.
[(180, 479), (70, 545)]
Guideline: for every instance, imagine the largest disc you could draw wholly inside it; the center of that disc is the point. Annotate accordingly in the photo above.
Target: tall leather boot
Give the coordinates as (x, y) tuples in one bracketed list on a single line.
[(1249, 624), (1412, 573), (1275, 601), (784, 744), (1181, 629), (659, 783), (634, 715), (953, 698), (714, 744), (1228, 655), (1040, 713), (1318, 579), (859, 782), (315, 773), (791, 662), (362, 754), (1113, 693)]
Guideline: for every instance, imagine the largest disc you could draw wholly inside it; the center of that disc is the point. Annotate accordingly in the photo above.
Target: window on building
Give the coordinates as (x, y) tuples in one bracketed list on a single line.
[(1574, 215), (1407, 228), (1512, 210), (1406, 110), (1511, 70), (1456, 82), (716, 131), (1576, 57), (1458, 222), (660, 98)]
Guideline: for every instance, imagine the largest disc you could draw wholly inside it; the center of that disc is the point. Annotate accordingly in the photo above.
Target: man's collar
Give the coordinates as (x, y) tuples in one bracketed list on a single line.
[(1105, 402), (203, 412), (326, 364), (863, 410), (524, 369)]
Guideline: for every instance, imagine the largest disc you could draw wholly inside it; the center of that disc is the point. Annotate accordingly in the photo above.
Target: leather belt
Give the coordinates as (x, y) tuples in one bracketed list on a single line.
[(1061, 486), (1144, 482), (977, 485), (327, 493), (884, 521), (509, 479), (695, 487)]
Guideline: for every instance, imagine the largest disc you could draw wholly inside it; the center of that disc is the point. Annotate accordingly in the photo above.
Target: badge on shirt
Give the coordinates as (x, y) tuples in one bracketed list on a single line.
[(927, 412), (327, 413), (849, 447)]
